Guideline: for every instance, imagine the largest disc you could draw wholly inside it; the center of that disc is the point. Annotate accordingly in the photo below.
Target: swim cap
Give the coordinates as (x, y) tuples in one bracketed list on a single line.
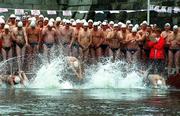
[(95, 23), (52, 20), (123, 26), (144, 22), (90, 20), (115, 25), (41, 16), (17, 79), (2, 21), (128, 22), (159, 82), (50, 24), (76, 64), (78, 21), (74, 23), (85, 24), (111, 23), (46, 19), (12, 16), (175, 27), (134, 29), (130, 25), (33, 24), (167, 25), (104, 23), (6, 26), (58, 19), (20, 24)]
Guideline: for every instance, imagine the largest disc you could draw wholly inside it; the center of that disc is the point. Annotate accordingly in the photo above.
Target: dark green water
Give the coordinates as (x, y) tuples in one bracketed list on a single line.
[(90, 102)]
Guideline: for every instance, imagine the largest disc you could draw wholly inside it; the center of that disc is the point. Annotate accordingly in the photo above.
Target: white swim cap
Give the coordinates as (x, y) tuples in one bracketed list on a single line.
[(58, 19), (46, 19), (128, 22), (72, 20), (137, 26), (167, 25), (12, 16), (111, 23), (17, 79), (78, 21), (76, 64), (83, 20), (144, 22), (95, 23), (20, 24), (104, 23), (67, 22), (120, 23), (33, 23), (50, 23), (41, 16), (52, 20), (6, 26), (175, 27), (134, 29), (123, 26), (2, 16), (33, 19), (159, 82), (130, 25), (74, 23), (115, 25), (90, 20), (85, 24)]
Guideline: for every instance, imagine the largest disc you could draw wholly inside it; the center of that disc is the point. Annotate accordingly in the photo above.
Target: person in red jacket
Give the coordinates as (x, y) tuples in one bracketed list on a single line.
[(157, 54)]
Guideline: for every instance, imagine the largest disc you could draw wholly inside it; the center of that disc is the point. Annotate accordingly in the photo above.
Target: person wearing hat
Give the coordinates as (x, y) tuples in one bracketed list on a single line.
[(20, 38), (66, 33), (157, 53), (74, 41), (12, 22), (123, 35), (46, 20), (7, 40), (97, 37), (33, 36), (174, 51), (84, 40), (166, 34), (49, 37), (132, 40), (19, 78), (58, 28), (104, 45), (113, 38), (90, 24), (129, 29)]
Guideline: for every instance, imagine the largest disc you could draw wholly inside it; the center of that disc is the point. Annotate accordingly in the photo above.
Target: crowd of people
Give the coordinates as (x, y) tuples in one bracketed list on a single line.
[(90, 40)]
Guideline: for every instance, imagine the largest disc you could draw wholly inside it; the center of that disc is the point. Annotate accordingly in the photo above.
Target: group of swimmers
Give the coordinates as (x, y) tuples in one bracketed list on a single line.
[(90, 40)]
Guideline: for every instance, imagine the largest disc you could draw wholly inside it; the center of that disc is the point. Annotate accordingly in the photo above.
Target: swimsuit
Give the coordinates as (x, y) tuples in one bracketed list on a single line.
[(6, 48), (49, 45), (114, 49), (174, 50), (33, 44), (21, 45), (103, 46)]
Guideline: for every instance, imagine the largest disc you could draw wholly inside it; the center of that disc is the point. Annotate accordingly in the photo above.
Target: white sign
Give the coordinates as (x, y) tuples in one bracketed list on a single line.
[(99, 12), (35, 12), (114, 11), (51, 12), (67, 13), (3, 10), (82, 12), (19, 11)]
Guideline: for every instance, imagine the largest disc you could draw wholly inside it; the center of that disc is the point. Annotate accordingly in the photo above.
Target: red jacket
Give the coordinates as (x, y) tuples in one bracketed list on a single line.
[(157, 49)]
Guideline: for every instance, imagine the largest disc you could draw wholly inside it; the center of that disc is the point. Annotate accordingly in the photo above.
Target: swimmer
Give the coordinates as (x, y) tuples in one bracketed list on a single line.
[(16, 79), (75, 66)]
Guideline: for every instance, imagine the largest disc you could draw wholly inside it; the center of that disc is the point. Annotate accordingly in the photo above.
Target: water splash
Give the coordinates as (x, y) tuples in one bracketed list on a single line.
[(102, 75)]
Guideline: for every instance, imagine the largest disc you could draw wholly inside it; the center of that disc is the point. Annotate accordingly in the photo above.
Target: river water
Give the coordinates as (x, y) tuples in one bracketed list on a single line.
[(109, 90), (90, 102)]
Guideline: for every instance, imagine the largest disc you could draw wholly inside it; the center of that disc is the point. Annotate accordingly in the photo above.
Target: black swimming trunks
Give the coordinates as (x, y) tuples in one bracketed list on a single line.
[(104, 47), (6, 48), (174, 50), (114, 49), (21, 45), (49, 45)]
